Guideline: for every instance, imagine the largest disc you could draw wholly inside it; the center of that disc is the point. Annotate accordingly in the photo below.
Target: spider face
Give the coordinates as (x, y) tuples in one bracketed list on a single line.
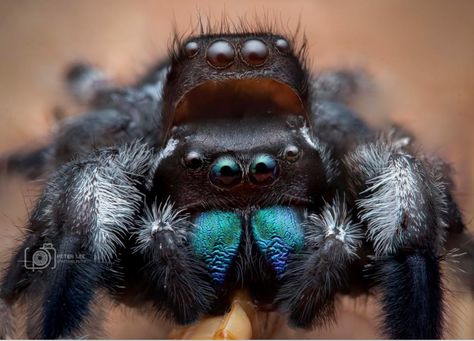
[(244, 181), (216, 165), (230, 166)]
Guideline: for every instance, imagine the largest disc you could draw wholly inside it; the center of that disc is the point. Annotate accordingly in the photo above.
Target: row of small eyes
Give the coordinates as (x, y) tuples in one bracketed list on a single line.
[(226, 172), (221, 53)]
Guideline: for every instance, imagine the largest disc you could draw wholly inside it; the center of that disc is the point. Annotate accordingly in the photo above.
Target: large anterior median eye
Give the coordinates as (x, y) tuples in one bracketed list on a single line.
[(225, 172), (263, 169)]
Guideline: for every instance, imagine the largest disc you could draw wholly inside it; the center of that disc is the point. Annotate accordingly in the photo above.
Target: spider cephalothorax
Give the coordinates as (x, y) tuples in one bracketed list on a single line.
[(229, 166)]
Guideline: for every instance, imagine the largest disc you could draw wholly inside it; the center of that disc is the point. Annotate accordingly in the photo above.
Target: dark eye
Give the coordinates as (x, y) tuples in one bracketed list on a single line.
[(193, 160), (225, 172), (263, 169), (220, 54), (291, 153)]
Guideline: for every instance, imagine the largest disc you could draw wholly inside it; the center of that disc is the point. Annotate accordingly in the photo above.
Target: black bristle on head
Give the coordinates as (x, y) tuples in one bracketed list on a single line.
[(258, 25), (258, 65)]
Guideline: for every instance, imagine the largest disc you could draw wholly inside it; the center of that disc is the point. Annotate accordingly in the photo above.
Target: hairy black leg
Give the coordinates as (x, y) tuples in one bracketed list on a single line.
[(120, 116), (339, 126), (339, 85), (155, 76), (85, 211), (336, 124), (452, 215), (412, 295), (17, 278), (71, 286), (313, 277), (85, 82), (7, 330), (459, 240), (27, 277), (461, 260), (178, 283), (14, 282), (403, 203), (402, 199), (30, 164), (74, 138)]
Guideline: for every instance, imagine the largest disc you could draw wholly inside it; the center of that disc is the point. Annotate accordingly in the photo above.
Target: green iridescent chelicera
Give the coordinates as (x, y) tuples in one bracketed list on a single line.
[(276, 230), (278, 233), (225, 172), (216, 240), (263, 169)]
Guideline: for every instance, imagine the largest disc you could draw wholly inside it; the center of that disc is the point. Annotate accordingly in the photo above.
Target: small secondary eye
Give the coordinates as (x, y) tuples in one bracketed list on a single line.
[(191, 49), (225, 172), (282, 45), (263, 169), (193, 160), (291, 153)]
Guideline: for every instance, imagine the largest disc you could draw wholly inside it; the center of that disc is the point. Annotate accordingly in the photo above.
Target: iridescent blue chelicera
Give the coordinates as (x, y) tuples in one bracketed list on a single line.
[(216, 240), (276, 230), (278, 233)]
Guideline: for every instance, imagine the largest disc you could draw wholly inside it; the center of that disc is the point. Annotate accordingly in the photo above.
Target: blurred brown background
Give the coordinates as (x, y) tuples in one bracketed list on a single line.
[(420, 53)]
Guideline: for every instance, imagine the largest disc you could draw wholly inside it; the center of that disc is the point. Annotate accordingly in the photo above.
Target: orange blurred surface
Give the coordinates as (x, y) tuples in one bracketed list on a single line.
[(420, 54)]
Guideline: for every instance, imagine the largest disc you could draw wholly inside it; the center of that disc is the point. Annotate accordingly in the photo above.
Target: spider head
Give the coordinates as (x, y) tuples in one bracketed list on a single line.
[(237, 106), (234, 75)]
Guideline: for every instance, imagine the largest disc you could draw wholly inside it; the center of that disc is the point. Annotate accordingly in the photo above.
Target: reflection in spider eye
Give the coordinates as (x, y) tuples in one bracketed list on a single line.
[(193, 160), (191, 49), (263, 169), (225, 172), (220, 54)]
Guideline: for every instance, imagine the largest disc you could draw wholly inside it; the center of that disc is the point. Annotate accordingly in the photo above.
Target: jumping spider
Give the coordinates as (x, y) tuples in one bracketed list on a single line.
[(230, 166)]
